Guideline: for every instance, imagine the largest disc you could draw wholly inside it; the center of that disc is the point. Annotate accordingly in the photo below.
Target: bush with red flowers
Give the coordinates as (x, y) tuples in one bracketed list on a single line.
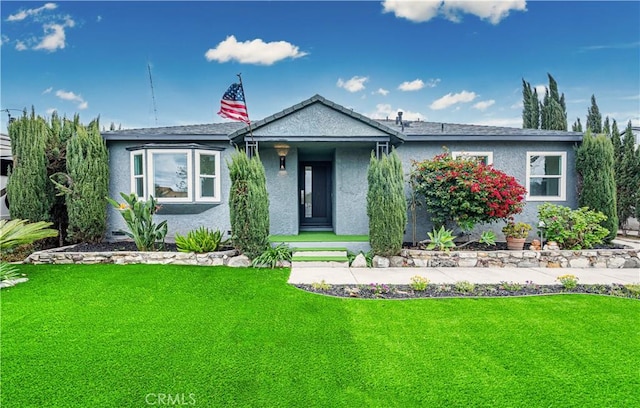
[(465, 191)]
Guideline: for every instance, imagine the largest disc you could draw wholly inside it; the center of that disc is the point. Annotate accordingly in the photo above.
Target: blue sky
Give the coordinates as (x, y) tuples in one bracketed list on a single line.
[(450, 61)]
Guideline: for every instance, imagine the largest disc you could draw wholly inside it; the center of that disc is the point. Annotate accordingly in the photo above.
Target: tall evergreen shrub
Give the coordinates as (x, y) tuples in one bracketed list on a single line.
[(248, 204), (595, 165), (627, 176), (88, 176), (28, 183), (386, 204)]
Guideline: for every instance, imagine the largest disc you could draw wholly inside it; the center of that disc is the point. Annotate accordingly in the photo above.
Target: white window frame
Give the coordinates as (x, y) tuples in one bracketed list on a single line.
[(194, 193), (216, 177), (151, 178), (488, 155), (562, 177), (141, 153)]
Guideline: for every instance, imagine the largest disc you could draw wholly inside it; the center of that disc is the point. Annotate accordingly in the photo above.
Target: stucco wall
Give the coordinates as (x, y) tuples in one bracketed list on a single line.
[(510, 157), (351, 190), (282, 188)]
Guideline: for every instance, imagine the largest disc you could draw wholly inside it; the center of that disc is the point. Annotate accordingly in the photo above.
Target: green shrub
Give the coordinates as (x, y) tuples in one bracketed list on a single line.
[(568, 281), (321, 286), (386, 204), (419, 283), (248, 205), (597, 189), (199, 241), (441, 239), (464, 286), (488, 238), (368, 256), (15, 233), (572, 229), (272, 256), (138, 215), (85, 183)]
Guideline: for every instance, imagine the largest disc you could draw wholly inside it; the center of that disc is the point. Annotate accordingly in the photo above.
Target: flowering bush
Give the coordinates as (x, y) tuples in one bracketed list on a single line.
[(466, 191), (572, 229)]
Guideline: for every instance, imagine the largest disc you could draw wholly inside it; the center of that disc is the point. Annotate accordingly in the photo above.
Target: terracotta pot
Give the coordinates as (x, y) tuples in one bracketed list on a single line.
[(515, 244)]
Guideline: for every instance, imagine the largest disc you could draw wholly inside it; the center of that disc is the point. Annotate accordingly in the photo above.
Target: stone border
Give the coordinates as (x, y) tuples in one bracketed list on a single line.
[(57, 256), (595, 258)]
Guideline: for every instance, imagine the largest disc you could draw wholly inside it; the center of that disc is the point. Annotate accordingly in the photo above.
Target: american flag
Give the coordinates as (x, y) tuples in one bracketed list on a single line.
[(232, 105)]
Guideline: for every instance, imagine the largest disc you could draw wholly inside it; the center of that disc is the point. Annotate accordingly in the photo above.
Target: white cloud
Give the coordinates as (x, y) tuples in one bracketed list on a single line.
[(72, 97), (381, 91), (55, 36), (414, 85), (384, 110), (23, 14), (451, 99), (433, 82), (50, 111), (517, 105), (4, 39), (483, 105), (355, 84), (493, 11), (541, 90), (20, 46), (98, 19), (48, 90), (253, 52)]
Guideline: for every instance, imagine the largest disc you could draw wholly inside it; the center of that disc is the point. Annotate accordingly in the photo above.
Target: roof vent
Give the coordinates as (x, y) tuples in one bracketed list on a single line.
[(442, 127)]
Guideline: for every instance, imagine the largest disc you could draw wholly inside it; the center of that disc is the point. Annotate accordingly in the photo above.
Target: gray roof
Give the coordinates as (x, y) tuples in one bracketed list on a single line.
[(411, 131)]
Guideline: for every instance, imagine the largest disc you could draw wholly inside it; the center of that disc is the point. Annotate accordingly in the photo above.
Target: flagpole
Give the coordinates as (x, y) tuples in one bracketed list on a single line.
[(246, 107)]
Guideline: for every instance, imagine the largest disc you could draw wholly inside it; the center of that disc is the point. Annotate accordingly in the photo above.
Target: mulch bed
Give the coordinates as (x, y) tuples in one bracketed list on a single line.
[(381, 291)]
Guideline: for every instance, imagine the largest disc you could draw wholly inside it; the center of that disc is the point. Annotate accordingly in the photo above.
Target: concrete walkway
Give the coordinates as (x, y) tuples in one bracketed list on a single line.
[(541, 276)]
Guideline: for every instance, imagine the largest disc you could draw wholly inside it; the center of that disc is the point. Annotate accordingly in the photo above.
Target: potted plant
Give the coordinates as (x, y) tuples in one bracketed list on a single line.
[(516, 233)]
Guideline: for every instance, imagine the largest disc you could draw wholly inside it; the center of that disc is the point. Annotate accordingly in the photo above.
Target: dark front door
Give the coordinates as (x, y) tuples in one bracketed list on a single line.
[(315, 194)]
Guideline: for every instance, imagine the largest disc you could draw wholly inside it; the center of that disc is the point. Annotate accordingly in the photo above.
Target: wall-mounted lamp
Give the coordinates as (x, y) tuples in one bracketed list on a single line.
[(282, 150)]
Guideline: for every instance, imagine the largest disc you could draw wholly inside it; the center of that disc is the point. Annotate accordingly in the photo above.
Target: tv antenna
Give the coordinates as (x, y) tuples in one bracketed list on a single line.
[(153, 96)]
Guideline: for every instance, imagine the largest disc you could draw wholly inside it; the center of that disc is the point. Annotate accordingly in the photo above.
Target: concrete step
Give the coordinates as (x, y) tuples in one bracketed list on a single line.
[(320, 252), (319, 264), (312, 257)]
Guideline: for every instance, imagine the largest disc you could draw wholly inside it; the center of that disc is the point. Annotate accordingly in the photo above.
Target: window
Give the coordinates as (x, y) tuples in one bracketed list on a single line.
[(176, 175), (546, 176), (483, 157)]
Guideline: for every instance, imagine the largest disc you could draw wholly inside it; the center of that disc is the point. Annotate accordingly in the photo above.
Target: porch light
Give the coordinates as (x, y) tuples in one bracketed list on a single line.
[(282, 150)]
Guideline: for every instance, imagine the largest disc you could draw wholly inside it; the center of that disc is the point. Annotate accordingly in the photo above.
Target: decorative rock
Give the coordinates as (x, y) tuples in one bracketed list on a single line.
[(396, 261), (279, 264), (579, 263), (616, 263), (239, 261), (631, 263), (420, 263), (12, 282), (359, 262), (380, 262), (467, 262)]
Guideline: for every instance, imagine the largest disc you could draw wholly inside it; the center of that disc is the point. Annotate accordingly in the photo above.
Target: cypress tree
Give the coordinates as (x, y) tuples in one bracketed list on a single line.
[(87, 168), (628, 177), (27, 185), (595, 165), (386, 204), (616, 140), (577, 126), (606, 127), (554, 111), (594, 118), (527, 109), (248, 204), (535, 110)]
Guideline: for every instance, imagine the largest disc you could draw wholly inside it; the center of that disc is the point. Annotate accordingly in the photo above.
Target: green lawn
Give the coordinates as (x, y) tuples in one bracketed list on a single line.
[(118, 336)]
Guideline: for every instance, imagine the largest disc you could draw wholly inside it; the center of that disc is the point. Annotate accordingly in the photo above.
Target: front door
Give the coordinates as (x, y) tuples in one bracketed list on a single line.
[(314, 182)]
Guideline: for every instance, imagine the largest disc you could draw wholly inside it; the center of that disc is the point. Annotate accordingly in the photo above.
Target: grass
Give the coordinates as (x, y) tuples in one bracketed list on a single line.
[(318, 236), (109, 336)]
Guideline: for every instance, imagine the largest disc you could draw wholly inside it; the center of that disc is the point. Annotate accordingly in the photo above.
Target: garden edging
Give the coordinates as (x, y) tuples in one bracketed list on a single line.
[(594, 258)]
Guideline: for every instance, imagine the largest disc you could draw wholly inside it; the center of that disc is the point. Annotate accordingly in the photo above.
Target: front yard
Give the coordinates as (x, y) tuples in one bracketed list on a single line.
[(114, 336)]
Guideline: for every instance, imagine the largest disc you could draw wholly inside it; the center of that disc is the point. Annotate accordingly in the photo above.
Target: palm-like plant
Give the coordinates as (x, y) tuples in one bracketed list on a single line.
[(19, 232)]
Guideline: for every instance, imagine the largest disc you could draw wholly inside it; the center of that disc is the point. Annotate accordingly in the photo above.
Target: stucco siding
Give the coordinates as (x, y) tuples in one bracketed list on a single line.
[(510, 157), (351, 166), (318, 120), (282, 188)]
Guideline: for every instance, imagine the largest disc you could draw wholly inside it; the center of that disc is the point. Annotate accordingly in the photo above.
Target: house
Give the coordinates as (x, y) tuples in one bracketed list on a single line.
[(316, 154), (6, 160)]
